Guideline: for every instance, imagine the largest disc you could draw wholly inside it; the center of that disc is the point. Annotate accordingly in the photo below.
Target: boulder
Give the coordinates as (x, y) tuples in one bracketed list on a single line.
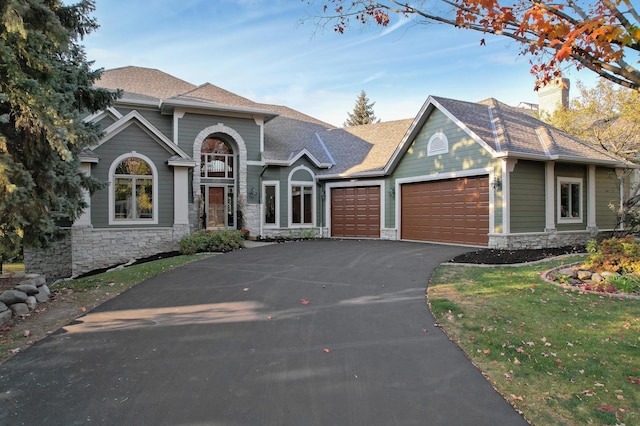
[(3, 307), (43, 296), (583, 275), (19, 309), (5, 316), (9, 297), (27, 288), (568, 272), (31, 302), (597, 278)]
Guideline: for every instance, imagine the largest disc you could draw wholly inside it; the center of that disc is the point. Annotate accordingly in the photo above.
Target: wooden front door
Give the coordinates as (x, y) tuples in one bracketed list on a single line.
[(216, 207)]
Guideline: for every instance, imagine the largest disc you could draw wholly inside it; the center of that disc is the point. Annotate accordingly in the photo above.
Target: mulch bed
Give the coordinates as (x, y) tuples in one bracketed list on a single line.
[(505, 257)]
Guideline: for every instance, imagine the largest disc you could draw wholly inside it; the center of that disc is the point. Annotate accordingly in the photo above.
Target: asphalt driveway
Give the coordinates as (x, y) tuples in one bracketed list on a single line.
[(310, 333)]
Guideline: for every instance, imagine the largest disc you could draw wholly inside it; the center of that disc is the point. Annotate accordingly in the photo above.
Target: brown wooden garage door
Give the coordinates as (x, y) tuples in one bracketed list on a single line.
[(355, 212), (451, 211)]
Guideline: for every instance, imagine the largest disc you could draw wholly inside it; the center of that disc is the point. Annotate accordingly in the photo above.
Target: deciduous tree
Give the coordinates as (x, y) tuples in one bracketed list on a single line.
[(46, 87), (600, 35), (362, 112)]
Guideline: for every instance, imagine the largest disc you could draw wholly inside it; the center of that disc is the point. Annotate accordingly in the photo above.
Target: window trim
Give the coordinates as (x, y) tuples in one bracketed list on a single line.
[(569, 180), (275, 184), (112, 186), (312, 184), (440, 150)]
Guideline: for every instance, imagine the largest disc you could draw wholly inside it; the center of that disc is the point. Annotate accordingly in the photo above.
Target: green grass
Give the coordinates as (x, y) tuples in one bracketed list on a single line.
[(561, 357), (12, 268)]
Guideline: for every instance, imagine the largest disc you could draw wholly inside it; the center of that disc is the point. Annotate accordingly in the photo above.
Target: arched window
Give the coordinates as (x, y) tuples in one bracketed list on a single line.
[(133, 197), (216, 159)]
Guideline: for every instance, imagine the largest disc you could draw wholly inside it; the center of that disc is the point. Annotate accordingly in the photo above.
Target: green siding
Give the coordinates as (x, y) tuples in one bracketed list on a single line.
[(133, 138), (253, 183), (607, 198), (191, 125), (527, 197), (164, 123)]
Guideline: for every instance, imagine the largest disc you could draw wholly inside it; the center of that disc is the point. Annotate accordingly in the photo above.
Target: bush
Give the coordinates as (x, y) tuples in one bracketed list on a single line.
[(211, 241), (621, 255)]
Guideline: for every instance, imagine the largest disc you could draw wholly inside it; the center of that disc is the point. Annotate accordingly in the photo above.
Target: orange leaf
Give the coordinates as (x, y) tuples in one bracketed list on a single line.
[(304, 301)]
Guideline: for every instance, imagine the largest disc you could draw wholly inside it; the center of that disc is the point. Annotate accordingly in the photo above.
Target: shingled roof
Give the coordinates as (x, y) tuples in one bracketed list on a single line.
[(144, 81)]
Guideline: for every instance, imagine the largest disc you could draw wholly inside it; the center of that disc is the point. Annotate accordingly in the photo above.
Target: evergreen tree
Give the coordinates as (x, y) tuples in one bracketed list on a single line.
[(362, 112), (46, 87)]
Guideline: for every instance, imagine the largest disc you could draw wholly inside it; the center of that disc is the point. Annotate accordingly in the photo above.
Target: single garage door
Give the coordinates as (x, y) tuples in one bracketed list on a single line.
[(449, 211), (355, 212)]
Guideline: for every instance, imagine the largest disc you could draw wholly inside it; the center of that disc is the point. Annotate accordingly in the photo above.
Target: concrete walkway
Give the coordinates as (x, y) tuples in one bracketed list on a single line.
[(308, 333)]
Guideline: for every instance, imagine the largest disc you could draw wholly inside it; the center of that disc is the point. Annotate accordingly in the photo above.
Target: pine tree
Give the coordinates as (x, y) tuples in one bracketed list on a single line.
[(46, 87), (362, 112)]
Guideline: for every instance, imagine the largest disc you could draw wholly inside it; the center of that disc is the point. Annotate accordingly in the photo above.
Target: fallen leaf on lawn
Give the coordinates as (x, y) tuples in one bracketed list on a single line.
[(507, 376), (519, 398), (83, 309), (26, 333), (15, 351), (587, 393), (304, 301), (619, 396), (516, 361), (531, 344), (607, 408), (599, 384), (485, 351)]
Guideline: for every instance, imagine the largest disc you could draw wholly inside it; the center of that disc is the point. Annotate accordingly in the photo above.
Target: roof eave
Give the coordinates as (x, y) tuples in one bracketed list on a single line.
[(566, 158), (168, 105)]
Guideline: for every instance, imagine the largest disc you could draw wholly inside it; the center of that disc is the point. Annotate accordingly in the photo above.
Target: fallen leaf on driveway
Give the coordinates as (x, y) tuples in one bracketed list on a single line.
[(245, 289), (304, 301), (326, 350)]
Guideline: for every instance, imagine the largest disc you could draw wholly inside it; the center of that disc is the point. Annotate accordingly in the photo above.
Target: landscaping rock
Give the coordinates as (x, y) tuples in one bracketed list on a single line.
[(3, 307), (596, 277), (607, 274), (569, 272), (583, 275), (9, 297), (20, 309), (5, 317), (27, 288), (43, 295), (31, 302)]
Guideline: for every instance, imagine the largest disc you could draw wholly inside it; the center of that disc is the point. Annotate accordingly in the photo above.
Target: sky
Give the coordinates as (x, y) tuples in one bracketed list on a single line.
[(275, 51)]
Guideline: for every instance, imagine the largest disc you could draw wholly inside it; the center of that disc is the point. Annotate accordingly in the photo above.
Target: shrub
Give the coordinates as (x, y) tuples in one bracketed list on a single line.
[(211, 241), (620, 255)]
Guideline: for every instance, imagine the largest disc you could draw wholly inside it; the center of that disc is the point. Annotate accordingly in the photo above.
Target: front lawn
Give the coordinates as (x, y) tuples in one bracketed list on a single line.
[(559, 356)]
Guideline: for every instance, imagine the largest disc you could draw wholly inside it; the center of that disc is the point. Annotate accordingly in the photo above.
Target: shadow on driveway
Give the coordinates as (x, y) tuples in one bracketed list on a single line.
[(323, 332)]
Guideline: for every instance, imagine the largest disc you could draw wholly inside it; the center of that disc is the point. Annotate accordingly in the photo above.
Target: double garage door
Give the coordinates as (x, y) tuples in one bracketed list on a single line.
[(450, 211)]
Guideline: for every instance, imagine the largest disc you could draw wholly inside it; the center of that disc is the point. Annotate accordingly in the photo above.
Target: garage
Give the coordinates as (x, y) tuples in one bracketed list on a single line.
[(355, 212), (449, 211)]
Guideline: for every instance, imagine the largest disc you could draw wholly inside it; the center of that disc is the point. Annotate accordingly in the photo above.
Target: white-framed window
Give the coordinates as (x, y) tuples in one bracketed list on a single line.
[(569, 200), (216, 159), (133, 195), (302, 193), (438, 144), (271, 203)]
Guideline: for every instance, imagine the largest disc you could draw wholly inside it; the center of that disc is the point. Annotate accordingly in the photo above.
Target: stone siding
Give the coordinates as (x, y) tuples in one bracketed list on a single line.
[(102, 248), (54, 263), (538, 240)]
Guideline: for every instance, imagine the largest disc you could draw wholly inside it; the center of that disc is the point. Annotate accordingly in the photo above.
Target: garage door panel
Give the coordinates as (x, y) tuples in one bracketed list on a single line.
[(355, 212), (452, 211)]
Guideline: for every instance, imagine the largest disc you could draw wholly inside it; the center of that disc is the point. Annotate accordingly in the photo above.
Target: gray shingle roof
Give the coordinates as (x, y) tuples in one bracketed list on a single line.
[(144, 81)]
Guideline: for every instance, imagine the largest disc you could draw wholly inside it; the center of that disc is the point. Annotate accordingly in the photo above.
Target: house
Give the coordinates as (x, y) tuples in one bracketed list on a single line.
[(180, 157)]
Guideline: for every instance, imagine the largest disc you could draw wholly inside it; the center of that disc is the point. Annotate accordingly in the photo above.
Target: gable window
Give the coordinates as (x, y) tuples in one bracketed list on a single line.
[(570, 200), (216, 159), (438, 144), (271, 201), (133, 196)]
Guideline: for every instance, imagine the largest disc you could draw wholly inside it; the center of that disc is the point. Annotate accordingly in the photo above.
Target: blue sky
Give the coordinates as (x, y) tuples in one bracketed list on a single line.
[(260, 49)]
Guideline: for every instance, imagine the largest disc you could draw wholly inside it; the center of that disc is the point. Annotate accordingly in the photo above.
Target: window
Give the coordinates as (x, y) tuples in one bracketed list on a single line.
[(302, 204), (133, 198), (216, 159), (438, 144), (270, 201), (570, 200)]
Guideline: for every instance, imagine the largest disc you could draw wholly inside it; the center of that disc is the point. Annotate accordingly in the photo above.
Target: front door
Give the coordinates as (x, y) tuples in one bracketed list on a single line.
[(216, 207)]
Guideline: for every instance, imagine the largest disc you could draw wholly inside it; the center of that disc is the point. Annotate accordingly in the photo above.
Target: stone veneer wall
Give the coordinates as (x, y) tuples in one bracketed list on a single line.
[(538, 240), (101, 248), (54, 263)]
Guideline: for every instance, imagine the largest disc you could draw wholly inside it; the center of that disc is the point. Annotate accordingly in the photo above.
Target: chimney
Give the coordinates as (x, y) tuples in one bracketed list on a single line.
[(553, 96)]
